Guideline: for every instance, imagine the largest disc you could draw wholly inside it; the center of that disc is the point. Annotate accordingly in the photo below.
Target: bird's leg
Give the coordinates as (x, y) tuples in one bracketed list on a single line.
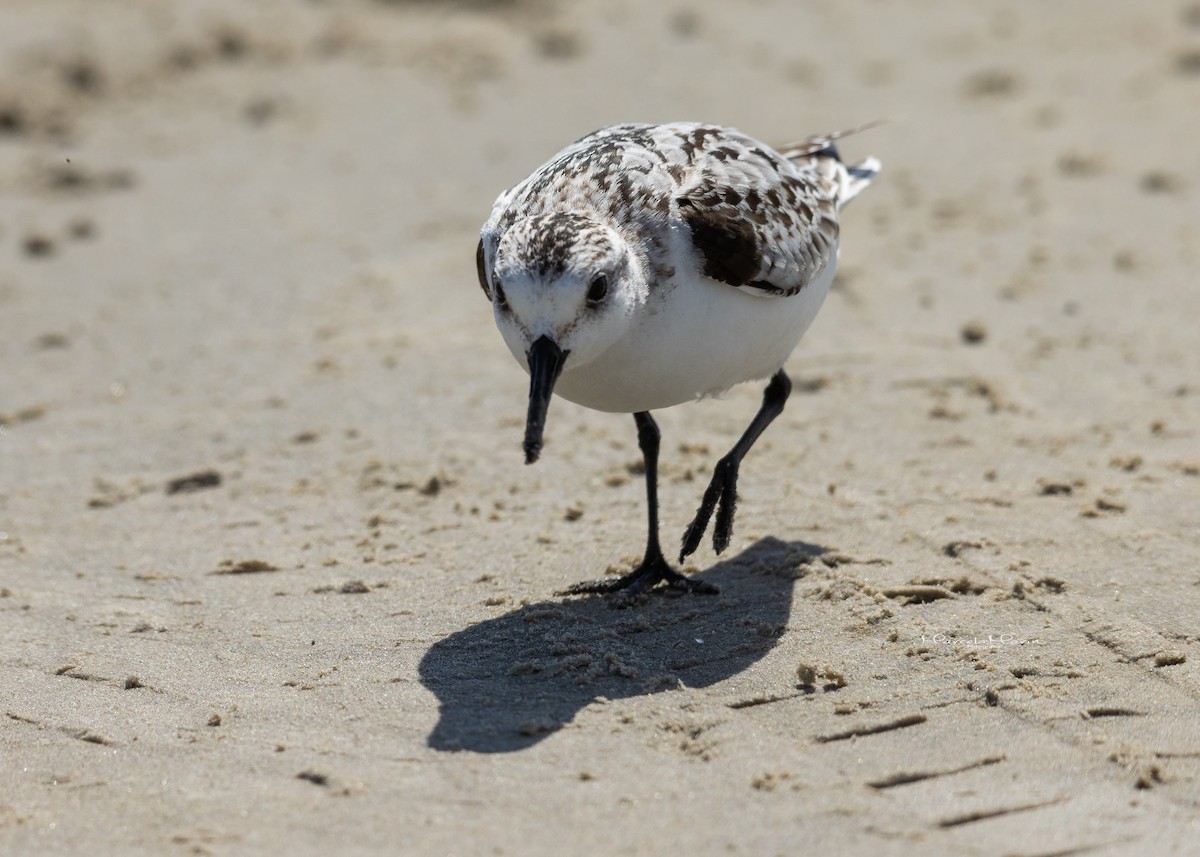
[(654, 567), (722, 490)]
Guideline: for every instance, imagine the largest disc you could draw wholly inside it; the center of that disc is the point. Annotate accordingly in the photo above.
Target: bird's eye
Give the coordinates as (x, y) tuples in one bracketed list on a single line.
[(498, 294), (597, 289)]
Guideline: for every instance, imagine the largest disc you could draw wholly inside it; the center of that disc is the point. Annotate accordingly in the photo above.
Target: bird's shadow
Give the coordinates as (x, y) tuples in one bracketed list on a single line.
[(507, 683)]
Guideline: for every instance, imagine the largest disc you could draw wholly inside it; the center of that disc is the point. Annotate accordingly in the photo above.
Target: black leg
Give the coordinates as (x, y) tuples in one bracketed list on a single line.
[(648, 441), (722, 490), (654, 567)]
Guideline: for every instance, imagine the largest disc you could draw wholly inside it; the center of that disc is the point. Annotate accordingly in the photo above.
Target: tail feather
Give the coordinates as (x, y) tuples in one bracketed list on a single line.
[(858, 176), (821, 153)]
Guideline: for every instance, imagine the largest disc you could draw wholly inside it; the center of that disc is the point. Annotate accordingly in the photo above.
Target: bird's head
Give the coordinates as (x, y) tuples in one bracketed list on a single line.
[(564, 287)]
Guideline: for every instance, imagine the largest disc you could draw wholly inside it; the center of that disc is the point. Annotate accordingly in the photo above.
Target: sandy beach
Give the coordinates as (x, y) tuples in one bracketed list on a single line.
[(273, 573)]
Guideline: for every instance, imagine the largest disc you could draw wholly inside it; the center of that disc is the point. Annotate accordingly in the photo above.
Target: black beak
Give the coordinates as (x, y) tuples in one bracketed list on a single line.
[(545, 363)]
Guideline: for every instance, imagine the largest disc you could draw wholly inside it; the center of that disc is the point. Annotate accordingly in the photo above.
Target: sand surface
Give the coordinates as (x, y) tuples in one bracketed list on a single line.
[(273, 573)]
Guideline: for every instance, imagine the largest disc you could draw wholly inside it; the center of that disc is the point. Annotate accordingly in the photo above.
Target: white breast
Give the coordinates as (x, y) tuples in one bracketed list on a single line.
[(694, 339)]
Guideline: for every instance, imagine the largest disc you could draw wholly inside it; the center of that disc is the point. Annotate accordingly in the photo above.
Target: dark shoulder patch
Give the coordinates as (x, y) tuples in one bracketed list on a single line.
[(481, 267), (727, 244)]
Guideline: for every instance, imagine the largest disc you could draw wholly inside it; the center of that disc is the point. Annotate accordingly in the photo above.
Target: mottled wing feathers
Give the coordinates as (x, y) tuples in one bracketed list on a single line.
[(728, 246), (757, 221), (762, 221)]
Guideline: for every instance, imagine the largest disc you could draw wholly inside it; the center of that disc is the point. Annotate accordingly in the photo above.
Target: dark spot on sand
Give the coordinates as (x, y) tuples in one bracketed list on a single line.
[(317, 779), (261, 110), (1187, 63), (38, 246), (558, 44), (83, 76), (1158, 181), (991, 83), (1055, 489), (955, 549), (231, 45), (973, 332), (194, 482), (1080, 165), (244, 566), (684, 23), (12, 120), (52, 341), (81, 229), (350, 587)]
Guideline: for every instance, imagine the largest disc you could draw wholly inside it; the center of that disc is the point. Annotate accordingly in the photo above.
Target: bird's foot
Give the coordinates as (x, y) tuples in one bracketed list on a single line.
[(653, 571), (720, 495)]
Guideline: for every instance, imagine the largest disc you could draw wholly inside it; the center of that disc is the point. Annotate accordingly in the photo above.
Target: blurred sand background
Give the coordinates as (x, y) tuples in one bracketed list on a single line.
[(273, 573)]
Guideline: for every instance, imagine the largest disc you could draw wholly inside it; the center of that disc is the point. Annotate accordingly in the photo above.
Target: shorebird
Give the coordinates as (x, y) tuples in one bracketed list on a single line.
[(644, 266)]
